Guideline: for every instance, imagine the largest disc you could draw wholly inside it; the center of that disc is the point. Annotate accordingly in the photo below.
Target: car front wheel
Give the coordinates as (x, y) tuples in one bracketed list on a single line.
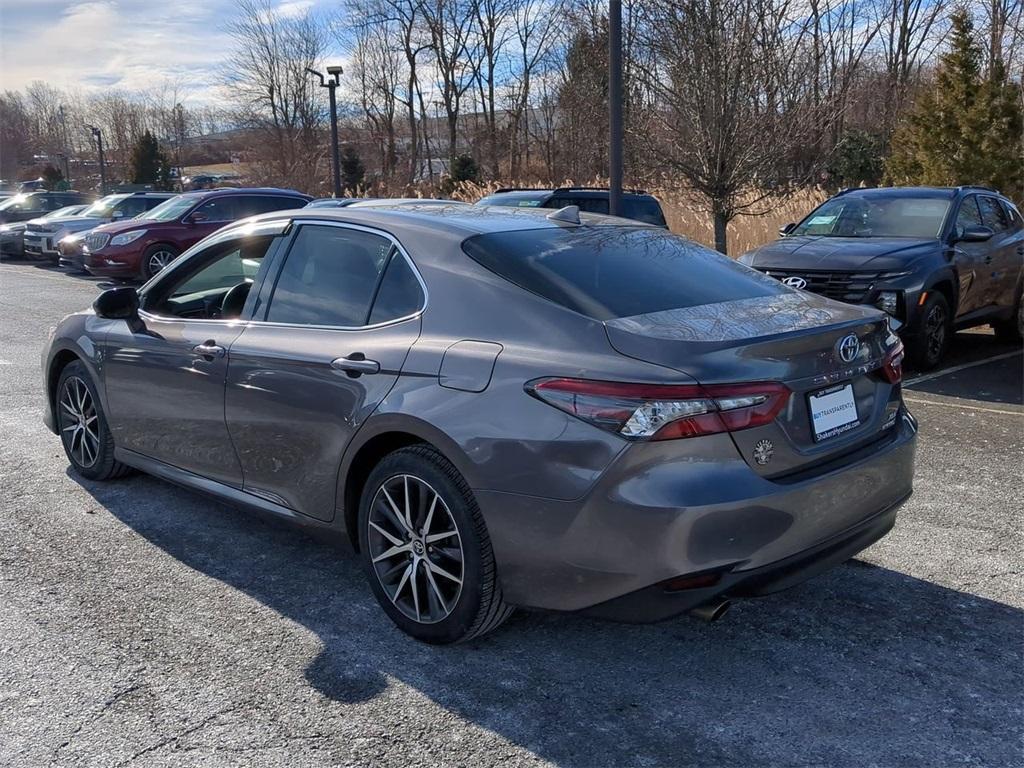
[(83, 426), (425, 549), (156, 258), (934, 332)]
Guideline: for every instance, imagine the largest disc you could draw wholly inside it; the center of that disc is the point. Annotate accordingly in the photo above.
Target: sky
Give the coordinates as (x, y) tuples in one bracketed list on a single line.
[(132, 44)]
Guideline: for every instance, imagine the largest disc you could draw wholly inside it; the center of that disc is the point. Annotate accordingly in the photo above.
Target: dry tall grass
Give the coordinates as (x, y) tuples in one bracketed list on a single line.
[(687, 217)]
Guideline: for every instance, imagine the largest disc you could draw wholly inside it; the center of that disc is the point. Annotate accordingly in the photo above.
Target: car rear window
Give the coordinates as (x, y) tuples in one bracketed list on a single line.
[(643, 209), (612, 272)]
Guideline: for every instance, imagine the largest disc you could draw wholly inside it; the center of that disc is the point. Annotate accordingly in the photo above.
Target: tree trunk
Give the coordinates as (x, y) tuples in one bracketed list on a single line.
[(721, 222)]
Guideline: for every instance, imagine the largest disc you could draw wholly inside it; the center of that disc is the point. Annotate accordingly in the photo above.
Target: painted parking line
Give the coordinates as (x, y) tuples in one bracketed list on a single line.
[(956, 368), (922, 401)]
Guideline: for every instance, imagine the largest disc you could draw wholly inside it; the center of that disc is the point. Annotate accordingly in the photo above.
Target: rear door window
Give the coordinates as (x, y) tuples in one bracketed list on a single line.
[(610, 272), (993, 215), (329, 277)]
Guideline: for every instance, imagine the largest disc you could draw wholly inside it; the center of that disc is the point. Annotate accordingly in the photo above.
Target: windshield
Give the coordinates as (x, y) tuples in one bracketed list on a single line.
[(876, 216), (12, 202), (612, 272), (71, 210), (174, 208), (104, 207)]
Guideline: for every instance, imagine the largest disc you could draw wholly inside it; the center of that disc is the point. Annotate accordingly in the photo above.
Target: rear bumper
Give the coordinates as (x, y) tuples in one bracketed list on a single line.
[(679, 508)]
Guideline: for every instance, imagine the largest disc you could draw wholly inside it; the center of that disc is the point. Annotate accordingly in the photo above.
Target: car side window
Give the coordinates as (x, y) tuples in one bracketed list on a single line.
[(643, 209), (36, 203), (132, 206), (968, 215), (329, 277), (585, 204), (270, 203), (1015, 219), (993, 215), (400, 293), (219, 209), (198, 292)]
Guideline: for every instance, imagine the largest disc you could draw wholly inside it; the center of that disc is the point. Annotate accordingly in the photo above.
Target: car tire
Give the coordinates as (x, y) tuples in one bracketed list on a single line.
[(1011, 330), (82, 426), (935, 326), (156, 258), (438, 589)]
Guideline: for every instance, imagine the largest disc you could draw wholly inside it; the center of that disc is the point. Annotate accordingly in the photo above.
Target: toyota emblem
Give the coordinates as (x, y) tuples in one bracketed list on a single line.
[(848, 348), (795, 282)]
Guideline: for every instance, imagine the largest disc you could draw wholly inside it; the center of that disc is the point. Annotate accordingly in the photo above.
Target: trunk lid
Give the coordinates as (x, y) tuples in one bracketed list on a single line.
[(793, 338)]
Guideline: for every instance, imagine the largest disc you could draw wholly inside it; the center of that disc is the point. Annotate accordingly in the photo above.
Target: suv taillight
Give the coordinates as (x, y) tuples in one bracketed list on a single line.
[(663, 411)]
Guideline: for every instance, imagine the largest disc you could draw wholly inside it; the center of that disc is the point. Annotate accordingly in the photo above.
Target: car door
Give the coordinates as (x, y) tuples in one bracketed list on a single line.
[(165, 378), (970, 259), (327, 343), (1004, 252), (207, 218)]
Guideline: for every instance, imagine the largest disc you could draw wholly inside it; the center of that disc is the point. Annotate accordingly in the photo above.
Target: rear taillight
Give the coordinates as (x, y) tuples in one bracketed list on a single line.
[(892, 365), (664, 411)]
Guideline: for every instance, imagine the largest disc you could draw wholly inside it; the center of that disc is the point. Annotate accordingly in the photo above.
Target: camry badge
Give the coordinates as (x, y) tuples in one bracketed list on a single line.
[(795, 282), (763, 452), (848, 348)]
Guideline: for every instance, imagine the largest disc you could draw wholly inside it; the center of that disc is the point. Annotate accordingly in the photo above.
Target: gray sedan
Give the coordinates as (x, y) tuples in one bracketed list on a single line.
[(501, 407)]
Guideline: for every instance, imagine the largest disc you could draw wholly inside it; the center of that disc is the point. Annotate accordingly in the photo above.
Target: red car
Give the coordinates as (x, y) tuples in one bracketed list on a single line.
[(141, 247)]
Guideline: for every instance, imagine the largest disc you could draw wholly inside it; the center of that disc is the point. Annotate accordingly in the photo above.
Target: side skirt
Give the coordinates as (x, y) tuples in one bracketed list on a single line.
[(225, 493)]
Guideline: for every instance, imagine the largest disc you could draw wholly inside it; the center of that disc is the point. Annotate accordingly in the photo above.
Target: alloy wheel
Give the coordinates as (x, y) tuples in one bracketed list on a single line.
[(935, 331), (79, 422), (158, 260), (416, 549)]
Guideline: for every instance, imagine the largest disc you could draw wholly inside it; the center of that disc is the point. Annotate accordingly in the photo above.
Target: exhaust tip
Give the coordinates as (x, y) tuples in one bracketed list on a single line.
[(710, 612)]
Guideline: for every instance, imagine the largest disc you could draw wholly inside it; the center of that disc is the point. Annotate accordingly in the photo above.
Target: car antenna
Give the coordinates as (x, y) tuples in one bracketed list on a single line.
[(570, 214)]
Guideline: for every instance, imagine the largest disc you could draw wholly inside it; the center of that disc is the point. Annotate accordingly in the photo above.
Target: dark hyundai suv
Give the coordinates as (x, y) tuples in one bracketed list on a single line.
[(143, 246), (636, 204), (936, 259)]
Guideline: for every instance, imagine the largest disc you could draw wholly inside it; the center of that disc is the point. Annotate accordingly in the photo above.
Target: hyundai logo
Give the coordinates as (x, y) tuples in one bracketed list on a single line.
[(795, 282), (848, 348)]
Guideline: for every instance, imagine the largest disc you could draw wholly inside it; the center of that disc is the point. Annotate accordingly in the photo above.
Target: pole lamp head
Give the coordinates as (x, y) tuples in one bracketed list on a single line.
[(336, 71)]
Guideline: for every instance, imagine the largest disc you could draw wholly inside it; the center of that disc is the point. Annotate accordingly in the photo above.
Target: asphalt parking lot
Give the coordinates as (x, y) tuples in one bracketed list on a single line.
[(143, 624)]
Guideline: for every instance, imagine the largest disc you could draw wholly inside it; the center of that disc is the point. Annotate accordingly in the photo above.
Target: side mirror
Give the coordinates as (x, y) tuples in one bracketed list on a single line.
[(783, 231), (117, 304), (117, 214), (197, 217), (975, 235)]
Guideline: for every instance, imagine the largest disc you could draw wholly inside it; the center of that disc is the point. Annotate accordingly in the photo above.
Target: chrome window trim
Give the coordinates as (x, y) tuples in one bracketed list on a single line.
[(226, 235)]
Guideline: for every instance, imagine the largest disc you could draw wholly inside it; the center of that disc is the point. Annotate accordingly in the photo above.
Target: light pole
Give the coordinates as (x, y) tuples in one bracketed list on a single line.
[(331, 84), (614, 106), (99, 145)]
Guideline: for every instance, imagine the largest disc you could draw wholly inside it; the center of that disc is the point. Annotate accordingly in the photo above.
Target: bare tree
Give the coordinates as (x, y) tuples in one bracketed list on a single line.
[(273, 93)]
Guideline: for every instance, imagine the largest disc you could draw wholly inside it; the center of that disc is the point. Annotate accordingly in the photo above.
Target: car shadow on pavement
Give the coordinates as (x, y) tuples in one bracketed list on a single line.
[(863, 665)]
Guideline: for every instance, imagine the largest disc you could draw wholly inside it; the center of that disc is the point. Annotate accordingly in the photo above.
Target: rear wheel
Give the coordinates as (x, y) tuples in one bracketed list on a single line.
[(934, 332), (83, 426), (156, 258), (426, 551)]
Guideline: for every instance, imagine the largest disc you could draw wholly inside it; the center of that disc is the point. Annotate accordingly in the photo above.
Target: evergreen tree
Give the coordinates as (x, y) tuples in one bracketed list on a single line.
[(52, 177), (966, 128), (148, 164), (353, 172)]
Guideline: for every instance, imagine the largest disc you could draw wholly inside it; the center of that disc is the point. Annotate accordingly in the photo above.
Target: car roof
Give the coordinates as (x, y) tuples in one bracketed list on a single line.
[(456, 219), (931, 192), (581, 192), (221, 191)]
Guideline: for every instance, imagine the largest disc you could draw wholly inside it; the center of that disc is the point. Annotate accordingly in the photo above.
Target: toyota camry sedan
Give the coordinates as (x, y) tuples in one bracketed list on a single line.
[(501, 407)]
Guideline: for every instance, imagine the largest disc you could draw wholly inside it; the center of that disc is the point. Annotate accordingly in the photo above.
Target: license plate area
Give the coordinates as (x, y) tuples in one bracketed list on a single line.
[(833, 411)]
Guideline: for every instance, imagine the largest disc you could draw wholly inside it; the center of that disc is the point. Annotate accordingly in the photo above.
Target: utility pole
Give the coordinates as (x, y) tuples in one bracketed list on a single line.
[(331, 85), (64, 144), (99, 146), (615, 106)]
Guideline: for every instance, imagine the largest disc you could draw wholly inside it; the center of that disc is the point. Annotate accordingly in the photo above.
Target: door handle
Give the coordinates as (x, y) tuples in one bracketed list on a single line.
[(355, 365), (209, 348), (988, 258)]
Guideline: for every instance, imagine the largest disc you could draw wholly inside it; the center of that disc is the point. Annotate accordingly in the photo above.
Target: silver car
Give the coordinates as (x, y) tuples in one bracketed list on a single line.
[(12, 236), (501, 407)]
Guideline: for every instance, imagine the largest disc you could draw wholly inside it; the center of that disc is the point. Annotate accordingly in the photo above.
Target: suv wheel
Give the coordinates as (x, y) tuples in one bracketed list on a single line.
[(933, 334), (83, 426), (156, 258), (425, 549)]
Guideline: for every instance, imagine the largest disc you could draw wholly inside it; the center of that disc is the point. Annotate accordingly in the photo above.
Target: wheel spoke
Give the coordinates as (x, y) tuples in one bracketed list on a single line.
[(415, 589), (395, 550), (439, 536), (393, 539), (430, 517), (67, 429), (436, 590), (394, 509), (408, 517), (401, 583), (442, 572)]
